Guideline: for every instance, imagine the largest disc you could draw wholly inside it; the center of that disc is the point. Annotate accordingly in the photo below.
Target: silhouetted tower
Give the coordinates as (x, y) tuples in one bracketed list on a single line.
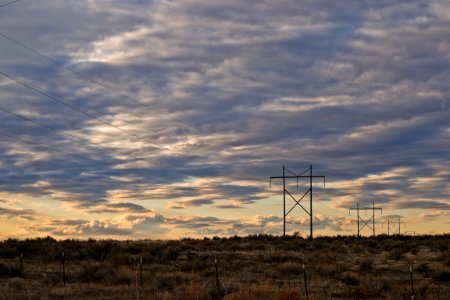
[(365, 222), (297, 202)]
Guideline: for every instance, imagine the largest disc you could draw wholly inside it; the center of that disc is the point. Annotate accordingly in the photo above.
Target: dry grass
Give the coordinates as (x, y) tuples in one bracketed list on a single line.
[(255, 267)]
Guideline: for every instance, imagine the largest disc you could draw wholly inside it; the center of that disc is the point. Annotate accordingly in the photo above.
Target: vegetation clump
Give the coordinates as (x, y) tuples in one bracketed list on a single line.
[(253, 267)]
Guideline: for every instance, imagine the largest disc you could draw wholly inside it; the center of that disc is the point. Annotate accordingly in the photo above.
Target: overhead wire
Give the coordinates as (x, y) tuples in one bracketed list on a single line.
[(96, 118), (62, 132), (89, 115), (6, 4), (74, 156), (53, 150), (136, 196), (94, 81)]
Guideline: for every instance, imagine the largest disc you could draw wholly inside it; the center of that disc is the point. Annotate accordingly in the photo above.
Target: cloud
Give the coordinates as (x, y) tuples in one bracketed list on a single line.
[(424, 205), (215, 97), (26, 214), (142, 224), (93, 228), (195, 221), (123, 207), (190, 203), (430, 216)]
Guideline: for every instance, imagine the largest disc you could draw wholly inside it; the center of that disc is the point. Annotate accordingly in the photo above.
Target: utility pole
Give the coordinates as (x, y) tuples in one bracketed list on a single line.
[(297, 202), (388, 225), (398, 222), (366, 222), (284, 202), (399, 232)]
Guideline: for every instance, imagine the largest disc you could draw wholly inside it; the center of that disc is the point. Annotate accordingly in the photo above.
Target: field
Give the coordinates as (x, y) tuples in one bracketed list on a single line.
[(253, 267)]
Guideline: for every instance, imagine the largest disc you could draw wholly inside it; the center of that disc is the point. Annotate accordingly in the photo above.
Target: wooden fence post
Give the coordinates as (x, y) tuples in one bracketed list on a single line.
[(217, 279), (63, 260), (306, 283), (21, 265)]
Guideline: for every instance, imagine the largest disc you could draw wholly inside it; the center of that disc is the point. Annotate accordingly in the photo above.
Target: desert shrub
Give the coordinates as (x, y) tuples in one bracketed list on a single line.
[(396, 254), (171, 253), (98, 273), (388, 244), (290, 268), (9, 270), (194, 290), (385, 285), (358, 249), (441, 245), (350, 278), (133, 249), (446, 262), (124, 276), (16, 283), (441, 275), (8, 252), (423, 269), (366, 265), (445, 258), (328, 270)]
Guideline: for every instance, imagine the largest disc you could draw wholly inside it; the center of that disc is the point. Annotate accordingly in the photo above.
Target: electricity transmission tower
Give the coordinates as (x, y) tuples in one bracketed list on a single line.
[(365, 222), (393, 223), (297, 202)]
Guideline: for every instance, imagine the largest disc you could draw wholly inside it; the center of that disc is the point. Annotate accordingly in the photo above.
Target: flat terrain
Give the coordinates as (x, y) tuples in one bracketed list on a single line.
[(253, 267)]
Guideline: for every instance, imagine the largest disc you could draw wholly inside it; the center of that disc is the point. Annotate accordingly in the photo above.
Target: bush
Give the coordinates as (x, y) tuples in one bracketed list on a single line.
[(366, 265), (423, 269), (290, 268), (350, 278), (442, 275), (16, 283), (9, 270)]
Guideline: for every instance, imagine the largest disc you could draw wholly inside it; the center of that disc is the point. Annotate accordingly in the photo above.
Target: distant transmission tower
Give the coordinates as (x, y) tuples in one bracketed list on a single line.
[(363, 221), (393, 223), (297, 202)]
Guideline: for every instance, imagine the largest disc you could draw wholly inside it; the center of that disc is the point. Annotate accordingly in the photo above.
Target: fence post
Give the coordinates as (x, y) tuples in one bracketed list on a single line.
[(63, 268), (217, 279), (21, 265), (412, 282), (141, 270), (306, 283)]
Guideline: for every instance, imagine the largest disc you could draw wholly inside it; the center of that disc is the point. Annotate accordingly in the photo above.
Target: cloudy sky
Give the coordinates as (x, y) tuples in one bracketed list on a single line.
[(165, 119)]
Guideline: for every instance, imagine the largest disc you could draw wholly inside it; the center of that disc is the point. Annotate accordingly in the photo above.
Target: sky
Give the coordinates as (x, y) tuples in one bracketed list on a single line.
[(165, 119)]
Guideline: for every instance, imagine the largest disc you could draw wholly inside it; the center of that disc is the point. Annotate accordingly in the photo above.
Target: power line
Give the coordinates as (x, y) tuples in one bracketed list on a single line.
[(77, 157), (3, 5), (91, 116), (366, 222), (62, 132), (54, 150), (87, 78), (135, 196), (80, 139), (55, 99)]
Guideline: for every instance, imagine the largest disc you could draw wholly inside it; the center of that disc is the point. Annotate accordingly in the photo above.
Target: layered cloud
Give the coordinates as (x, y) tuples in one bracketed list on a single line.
[(119, 112)]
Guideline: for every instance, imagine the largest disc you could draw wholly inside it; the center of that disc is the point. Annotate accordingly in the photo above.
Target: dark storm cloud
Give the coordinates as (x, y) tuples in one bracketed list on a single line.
[(227, 91)]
